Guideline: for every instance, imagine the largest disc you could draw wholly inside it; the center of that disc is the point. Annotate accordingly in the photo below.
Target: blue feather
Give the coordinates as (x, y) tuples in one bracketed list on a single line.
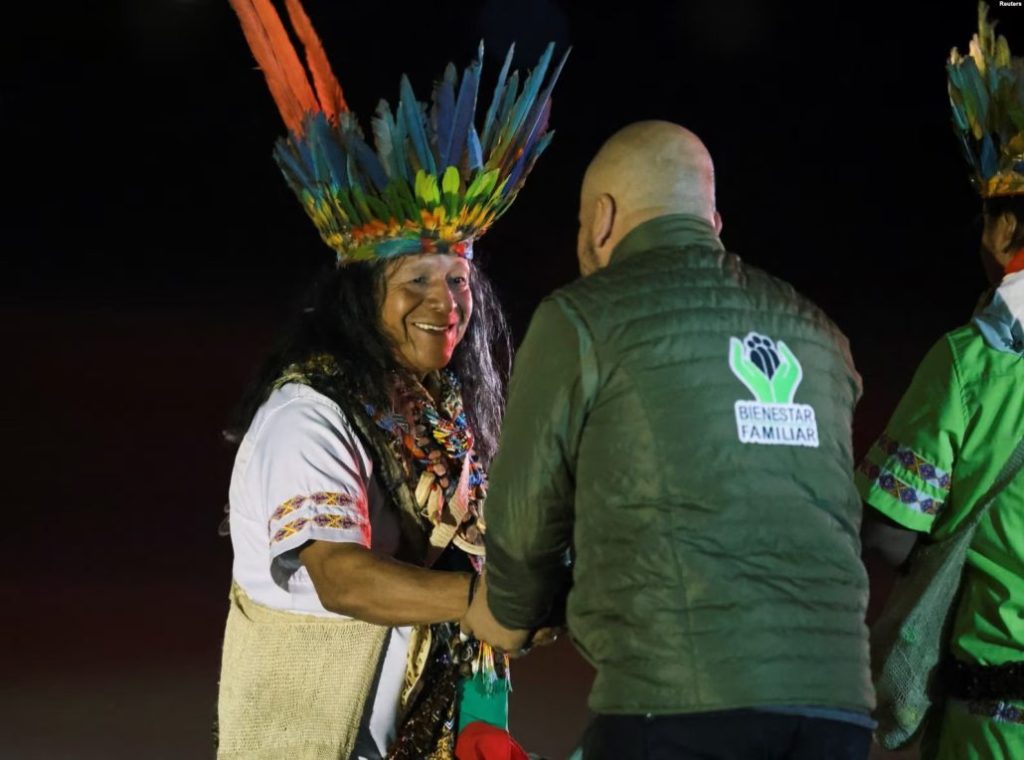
[(974, 92), (328, 156), (539, 126), (412, 114), (955, 78), (536, 122), (443, 113), (320, 171), (399, 135), (352, 171), (474, 152), (499, 91), (530, 89), (539, 148), (303, 153), (490, 148), (368, 161), (336, 157), (291, 166), (989, 159), (513, 176), (958, 117), (398, 247), (525, 165), (465, 109)]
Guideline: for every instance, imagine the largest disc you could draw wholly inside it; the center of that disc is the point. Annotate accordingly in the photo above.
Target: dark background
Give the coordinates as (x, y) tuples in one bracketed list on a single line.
[(151, 251)]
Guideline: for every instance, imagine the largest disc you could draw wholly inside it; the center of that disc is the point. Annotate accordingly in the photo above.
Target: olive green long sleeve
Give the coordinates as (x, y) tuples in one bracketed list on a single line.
[(530, 503)]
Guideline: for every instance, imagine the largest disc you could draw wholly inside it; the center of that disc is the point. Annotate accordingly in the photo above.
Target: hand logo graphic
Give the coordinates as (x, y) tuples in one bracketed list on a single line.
[(769, 369)]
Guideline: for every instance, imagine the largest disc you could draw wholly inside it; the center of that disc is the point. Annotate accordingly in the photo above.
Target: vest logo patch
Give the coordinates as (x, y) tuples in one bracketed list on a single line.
[(772, 373)]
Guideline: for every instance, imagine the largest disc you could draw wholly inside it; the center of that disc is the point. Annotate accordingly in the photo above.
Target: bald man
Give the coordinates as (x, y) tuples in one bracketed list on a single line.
[(677, 447)]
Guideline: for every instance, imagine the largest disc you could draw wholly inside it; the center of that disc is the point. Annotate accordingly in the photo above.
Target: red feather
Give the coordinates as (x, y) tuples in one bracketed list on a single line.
[(328, 90), (276, 56)]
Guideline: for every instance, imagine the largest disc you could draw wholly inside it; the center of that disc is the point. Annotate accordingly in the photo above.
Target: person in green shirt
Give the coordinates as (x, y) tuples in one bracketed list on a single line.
[(951, 434)]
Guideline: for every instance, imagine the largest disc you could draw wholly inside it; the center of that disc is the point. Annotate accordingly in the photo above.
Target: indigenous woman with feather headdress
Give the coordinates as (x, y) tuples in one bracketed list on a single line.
[(356, 498)]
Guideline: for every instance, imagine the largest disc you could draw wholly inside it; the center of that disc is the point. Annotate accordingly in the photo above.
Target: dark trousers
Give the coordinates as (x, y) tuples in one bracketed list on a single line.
[(726, 735)]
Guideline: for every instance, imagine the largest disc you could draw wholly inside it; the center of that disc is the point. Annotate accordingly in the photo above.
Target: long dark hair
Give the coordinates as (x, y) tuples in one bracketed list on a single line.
[(341, 316)]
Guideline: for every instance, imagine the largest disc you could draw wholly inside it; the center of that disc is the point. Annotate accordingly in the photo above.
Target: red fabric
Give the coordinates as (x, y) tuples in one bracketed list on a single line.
[(482, 741), (1016, 264)]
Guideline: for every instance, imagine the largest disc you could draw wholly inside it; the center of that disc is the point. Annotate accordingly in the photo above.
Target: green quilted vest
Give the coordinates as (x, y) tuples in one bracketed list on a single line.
[(716, 520)]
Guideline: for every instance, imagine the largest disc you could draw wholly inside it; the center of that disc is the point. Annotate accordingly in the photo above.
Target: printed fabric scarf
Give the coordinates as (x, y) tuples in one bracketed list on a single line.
[(434, 445)]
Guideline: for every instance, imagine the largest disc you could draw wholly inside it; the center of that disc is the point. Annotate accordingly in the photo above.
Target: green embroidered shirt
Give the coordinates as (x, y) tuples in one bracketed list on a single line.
[(941, 451)]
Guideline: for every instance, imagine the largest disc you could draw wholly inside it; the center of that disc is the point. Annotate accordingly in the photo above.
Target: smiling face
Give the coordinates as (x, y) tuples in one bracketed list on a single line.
[(426, 309)]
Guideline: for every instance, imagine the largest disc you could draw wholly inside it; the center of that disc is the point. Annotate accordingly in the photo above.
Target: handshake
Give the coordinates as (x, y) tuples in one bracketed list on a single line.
[(481, 624)]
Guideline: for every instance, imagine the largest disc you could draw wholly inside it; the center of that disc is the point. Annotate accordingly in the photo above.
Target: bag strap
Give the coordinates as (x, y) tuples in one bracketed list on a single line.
[(1006, 475)]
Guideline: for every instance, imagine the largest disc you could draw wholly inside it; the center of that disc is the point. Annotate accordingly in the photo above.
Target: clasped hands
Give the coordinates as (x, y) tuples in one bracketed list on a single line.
[(480, 623)]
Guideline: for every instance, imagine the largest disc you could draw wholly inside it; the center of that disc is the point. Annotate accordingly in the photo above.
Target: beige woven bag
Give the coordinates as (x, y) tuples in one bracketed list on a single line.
[(293, 686)]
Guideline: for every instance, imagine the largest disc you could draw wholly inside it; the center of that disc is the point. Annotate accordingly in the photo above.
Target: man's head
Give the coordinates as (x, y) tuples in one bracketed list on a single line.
[(645, 170), (1003, 233)]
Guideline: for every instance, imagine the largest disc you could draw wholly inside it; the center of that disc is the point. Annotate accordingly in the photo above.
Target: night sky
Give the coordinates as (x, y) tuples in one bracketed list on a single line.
[(152, 252)]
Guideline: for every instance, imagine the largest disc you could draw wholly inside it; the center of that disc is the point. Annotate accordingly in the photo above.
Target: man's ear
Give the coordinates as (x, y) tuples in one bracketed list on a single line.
[(717, 221), (604, 220)]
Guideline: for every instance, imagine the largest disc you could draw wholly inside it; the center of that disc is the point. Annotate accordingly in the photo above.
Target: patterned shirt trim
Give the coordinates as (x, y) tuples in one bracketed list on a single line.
[(321, 498), (289, 530), (914, 464), (904, 493), (1002, 712), (326, 510)]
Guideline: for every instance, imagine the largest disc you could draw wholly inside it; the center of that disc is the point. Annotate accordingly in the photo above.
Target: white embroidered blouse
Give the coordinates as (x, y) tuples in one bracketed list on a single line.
[(302, 474)]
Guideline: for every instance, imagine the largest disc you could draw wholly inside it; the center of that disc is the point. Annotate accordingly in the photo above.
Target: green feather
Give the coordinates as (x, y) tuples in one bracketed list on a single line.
[(450, 180), (426, 190), (481, 185), (450, 190), (344, 199), (379, 208), (359, 201)]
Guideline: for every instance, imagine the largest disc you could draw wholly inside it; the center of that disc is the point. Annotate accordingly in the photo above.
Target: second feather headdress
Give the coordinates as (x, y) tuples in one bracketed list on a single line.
[(986, 92)]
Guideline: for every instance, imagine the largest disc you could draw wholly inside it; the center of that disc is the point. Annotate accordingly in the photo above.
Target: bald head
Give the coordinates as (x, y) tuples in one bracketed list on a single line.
[(654, 166), (648, 169)]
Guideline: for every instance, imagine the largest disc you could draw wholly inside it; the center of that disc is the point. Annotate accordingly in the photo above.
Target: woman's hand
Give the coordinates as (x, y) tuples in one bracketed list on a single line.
[(479, 622)]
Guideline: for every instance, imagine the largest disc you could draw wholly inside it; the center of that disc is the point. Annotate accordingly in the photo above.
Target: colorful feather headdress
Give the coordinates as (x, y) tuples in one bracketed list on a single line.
[(434, 183), (986, 91)]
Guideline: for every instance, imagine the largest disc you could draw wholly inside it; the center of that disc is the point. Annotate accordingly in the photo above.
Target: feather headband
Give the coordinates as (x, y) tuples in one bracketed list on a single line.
[(435, 183), (986, 92)]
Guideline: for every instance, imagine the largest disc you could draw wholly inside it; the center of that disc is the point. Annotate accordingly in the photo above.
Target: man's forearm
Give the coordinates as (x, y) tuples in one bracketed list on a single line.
[(520, 593)]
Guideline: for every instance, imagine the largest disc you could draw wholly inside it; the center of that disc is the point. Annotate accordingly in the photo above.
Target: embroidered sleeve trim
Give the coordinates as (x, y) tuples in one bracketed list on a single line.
[(910, 497), (321, 498), (325, 511), (1003, 712), (902, 457)]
